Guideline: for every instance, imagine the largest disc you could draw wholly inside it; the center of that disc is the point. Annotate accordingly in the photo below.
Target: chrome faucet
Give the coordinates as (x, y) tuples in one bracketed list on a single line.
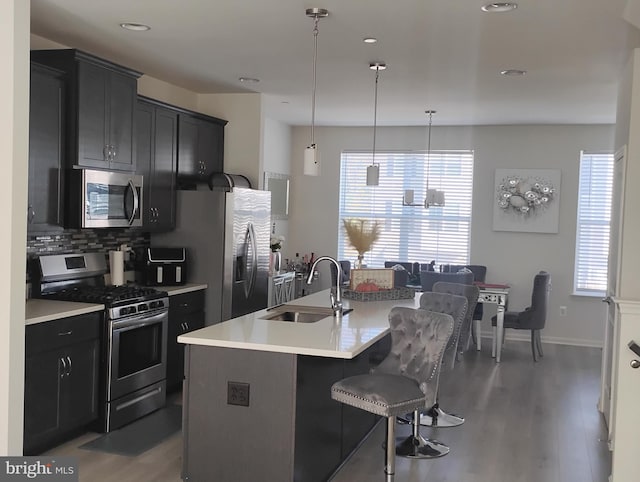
[(336, 300)]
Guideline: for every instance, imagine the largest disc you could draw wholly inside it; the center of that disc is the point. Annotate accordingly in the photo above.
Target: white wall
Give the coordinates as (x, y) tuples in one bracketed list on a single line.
[(14, 143), (510, 257), (276, 152)]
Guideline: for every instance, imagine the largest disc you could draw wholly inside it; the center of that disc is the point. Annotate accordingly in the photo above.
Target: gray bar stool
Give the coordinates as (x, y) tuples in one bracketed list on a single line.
[(407, 379), (435, 416), (416, 446)]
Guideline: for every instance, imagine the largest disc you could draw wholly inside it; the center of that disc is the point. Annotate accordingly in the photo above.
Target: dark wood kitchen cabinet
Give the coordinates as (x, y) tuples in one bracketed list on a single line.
[(186, 313), (101, 98), (61, 379), (200, 148), (46, 180), (157, 149)]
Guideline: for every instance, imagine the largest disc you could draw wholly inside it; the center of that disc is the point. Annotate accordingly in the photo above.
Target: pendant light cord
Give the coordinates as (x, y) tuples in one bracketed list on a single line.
[(429, 151), (375, 117), (313, 94)]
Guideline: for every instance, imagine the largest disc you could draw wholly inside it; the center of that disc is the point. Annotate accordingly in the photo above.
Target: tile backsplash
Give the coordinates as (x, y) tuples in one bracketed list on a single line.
[(86, 241)]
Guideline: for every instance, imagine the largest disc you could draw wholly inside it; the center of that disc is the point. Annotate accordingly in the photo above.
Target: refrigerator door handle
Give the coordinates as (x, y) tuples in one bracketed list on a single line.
[(250, 244)]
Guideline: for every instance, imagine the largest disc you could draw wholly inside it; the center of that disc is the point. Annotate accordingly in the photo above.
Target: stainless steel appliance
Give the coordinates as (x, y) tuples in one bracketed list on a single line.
[(226, 229), (134, 337), (104, 199)]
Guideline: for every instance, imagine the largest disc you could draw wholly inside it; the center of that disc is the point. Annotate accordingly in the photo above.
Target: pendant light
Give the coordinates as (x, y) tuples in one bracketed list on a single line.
[(311, 154), (433, 197), (373, 171)]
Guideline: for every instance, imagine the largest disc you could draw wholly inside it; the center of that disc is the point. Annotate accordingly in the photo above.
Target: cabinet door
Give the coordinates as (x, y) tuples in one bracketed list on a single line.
[(164, 169), (79, 397), (178, 325), (187, 146), (144, 157), (43, 379), (210, 148), (45, 150), (122, 99), (92, 116)]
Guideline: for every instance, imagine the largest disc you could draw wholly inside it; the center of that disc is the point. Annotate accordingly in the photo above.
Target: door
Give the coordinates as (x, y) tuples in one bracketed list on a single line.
[(163, 189), (187, 146), (92, 116), (609, 353), (79, 403), (122, 98)]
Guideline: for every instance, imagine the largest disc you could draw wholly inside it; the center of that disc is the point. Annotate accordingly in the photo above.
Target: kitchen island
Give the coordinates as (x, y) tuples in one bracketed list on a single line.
[(257, 402)]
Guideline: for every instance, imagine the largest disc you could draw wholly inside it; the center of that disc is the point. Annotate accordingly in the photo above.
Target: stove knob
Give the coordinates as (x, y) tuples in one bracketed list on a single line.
[(124, 311), (161, 304)]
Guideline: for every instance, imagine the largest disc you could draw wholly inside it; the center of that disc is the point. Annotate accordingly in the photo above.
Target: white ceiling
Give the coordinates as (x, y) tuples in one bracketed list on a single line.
[(441, 54)]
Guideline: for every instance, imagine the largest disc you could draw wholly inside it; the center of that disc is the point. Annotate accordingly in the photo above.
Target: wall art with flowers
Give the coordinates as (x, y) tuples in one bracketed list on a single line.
[(526, 200)]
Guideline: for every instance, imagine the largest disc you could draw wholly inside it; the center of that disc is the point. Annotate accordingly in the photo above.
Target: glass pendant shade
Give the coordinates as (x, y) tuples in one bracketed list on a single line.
[(311, 161), (373, 175)]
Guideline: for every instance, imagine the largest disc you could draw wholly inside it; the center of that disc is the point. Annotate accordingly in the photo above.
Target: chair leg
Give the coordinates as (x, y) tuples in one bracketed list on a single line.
[(417, 447), (477, 324), (390, 451), (533, 345), (539, 344)]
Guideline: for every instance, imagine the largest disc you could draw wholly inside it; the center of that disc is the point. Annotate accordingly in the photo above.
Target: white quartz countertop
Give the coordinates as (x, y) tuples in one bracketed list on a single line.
[(181, 289), (359, 329), (39, 310)]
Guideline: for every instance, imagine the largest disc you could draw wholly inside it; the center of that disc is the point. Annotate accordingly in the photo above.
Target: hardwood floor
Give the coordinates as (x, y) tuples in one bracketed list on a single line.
[(525, 422)]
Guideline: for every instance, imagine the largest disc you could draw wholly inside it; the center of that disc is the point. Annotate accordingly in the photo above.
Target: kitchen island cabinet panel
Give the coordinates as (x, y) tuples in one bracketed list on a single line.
[(46, 113), (61, 379), (291, 427)]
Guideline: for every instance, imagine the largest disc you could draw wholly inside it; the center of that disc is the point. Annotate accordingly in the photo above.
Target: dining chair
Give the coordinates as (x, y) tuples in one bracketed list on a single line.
[(407, 379), (533, 317), (479, 274), (429, 278), (345, 264)]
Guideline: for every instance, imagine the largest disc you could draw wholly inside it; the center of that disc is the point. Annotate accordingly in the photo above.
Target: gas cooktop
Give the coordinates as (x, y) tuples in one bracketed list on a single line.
[(107, 295)]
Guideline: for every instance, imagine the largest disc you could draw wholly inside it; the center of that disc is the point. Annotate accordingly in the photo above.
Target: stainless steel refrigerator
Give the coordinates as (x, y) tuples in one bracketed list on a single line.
[(226, 232)]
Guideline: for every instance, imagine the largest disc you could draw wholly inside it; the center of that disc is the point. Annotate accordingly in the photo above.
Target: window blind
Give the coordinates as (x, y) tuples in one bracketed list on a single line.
[(409, 233), (593, 223)]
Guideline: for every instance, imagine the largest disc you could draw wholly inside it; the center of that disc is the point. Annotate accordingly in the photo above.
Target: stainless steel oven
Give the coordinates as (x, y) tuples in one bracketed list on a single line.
[(137, 360), (105, 199)]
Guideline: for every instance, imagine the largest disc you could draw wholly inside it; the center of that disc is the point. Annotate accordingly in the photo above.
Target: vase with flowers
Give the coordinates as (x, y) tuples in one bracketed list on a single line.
[(362, 234), (275, 262)]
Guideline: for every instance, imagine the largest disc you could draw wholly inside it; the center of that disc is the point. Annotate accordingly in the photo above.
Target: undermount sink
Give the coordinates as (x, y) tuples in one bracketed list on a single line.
[(301, 314)]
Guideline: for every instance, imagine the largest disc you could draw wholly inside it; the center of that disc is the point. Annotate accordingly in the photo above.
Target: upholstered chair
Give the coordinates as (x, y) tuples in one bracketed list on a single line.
[(416, 446), (533, 317), (346, 272), (479, 274), (407, 379), (429, 278), (435, 416)]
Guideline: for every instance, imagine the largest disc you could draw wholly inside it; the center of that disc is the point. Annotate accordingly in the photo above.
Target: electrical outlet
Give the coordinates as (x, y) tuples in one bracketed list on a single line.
[(563, 311), (238, 394)]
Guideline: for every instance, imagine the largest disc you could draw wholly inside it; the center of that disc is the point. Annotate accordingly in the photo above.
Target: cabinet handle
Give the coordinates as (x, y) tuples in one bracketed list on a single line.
[(65, 333), (187, 323), (114, 152), (69, 368), (105, 153), (31, 214), (64, 367), (184, 305)]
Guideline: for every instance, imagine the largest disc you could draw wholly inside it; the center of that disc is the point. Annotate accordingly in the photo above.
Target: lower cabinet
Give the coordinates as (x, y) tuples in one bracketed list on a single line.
[(186, 313), (61, 379)]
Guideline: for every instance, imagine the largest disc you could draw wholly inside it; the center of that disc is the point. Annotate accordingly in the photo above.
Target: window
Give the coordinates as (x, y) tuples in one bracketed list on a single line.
[(594, 218), (409, 233)]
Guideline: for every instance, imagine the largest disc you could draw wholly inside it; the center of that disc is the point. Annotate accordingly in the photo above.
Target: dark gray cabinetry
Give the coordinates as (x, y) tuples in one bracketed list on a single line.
[(61, 379), (200, 148), (186, 313), (45, 149), (157, 149), (101, 98)]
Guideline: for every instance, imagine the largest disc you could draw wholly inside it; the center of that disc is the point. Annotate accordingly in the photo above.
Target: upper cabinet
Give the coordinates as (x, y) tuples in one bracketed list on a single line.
[(46, 182), (200, 148), (101, 99), (157, 149)]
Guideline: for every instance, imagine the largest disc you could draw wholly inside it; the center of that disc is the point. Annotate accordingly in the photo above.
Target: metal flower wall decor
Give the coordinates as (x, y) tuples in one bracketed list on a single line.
[(525, 195)]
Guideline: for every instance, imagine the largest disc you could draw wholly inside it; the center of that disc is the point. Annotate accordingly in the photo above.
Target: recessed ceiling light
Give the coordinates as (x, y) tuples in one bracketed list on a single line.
[(369, 40), (513, 72), (137, 27), (248, 80), (499, 7)]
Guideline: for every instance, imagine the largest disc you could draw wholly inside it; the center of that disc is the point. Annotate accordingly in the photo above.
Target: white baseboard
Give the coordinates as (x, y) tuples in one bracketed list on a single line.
[(557, 340)]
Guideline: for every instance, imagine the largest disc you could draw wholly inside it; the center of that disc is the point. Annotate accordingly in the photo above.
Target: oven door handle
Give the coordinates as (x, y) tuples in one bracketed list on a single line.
[(138, 321)]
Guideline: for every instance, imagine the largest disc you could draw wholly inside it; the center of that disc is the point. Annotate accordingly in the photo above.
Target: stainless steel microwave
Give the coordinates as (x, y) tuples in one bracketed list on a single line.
[(105, 199)]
